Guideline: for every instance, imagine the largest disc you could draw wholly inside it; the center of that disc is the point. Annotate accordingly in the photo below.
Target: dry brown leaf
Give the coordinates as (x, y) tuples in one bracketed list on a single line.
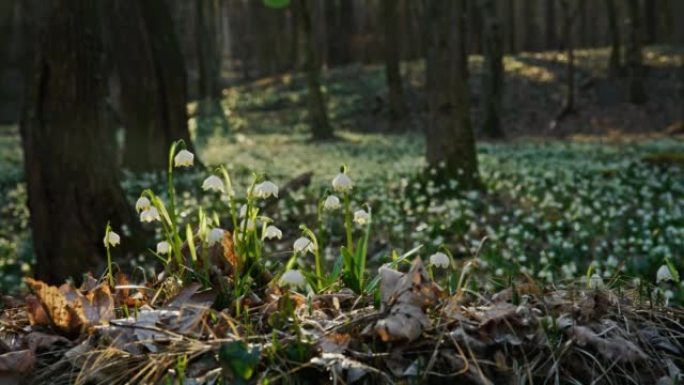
[(406, 295), (229, 250), (64, 317), (98, 305), (35, 311), (334, 343), (20, 361), (37, 341)]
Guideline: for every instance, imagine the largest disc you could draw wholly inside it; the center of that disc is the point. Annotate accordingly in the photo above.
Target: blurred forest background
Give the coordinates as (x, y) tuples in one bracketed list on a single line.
[(92, 96)]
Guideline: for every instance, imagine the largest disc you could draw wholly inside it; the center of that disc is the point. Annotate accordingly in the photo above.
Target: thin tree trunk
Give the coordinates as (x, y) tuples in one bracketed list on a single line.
[(71, 173), (207, 35), (449, 134), (651, 21), (397, 108), (530, 26), (151, 71), (493, 70), (510, 11), (550, 27), (614, 62), (569, 16), (637, 94), (318, 114)]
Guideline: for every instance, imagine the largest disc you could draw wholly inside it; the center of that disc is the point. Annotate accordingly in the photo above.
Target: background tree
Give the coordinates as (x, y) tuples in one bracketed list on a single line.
[(614, 61), (449, 133), (71, 173), (569, 12), (208, 38), (318, 114), (397, 108), (152, 77), (635, 70), (550, 28), (493, 70)]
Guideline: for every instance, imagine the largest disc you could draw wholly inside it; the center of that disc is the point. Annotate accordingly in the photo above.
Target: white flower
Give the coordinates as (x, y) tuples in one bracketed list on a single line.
[(243, 211), (361, 217), (265, 189), (213, 183), (184, 158), (596, 282), (664, 274), (142, 204), (163, 247), (248, 224), (304, 244), (342, 183), (150, 215), (332, 202), (440, 260), (214, 236), (111, 239), (293, 278), (272, 232)]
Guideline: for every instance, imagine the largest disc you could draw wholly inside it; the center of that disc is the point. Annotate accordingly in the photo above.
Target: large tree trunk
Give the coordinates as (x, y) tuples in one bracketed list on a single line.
[(318, 114), (339, 27), (151, 73), (208, 32), (614, 65), (449, 134), (392, 59), (72, 178), (493, 70), (636, 92)]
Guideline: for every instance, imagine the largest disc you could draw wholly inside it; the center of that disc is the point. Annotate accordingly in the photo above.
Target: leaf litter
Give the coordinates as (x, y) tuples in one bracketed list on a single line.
[(412, 331)]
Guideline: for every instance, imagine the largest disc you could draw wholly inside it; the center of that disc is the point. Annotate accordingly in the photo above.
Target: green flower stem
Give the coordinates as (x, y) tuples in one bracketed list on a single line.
[(348, 223)]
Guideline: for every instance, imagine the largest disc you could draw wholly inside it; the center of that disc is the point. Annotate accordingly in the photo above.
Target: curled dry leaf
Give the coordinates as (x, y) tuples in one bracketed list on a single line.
[(65, 317), (66, 309), (405, 296)]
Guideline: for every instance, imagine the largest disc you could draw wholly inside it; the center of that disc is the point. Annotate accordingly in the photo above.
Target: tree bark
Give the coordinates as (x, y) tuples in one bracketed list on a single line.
[(493, 70), (449, 134), (614, 62), (651, 21), (71, 173), (210, 113), (635, 70), (510, 11), (397, 108), (530, 27), (550, 27), (151, 71), (318, 114), (569, 17)]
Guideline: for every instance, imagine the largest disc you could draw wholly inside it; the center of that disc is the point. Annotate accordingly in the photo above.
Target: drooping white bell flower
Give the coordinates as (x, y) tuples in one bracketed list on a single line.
[(293, 278), (150, 215), (215, 235), (331, 203), (342, 183), (213, 183), (111, 239), (163, 247), (361, 217), (265, 189), (664, 274), (142, 204), (272, 232), (596, 282), (303, 245), (440, 260), (184, 158)]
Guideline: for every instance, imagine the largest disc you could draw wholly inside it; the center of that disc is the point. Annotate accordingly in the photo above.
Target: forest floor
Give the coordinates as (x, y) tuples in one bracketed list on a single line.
[(553, 265)]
